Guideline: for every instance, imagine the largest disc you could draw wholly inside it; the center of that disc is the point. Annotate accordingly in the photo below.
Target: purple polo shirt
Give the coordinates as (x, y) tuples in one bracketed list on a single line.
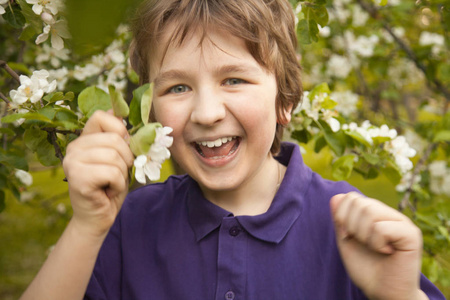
[(169, 242)]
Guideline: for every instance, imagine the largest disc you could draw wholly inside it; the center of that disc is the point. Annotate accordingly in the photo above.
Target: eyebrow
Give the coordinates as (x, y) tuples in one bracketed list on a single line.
[(175, 74)]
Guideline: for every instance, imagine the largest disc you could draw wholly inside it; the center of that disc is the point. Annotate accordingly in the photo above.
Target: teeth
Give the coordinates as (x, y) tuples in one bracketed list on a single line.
[(217, 143)]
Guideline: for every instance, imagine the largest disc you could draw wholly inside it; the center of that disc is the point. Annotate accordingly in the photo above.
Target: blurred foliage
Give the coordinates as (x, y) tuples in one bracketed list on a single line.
[(368, 62)]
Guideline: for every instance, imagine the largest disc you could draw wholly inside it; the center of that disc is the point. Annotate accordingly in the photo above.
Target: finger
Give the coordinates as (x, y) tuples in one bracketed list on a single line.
[(105, 156), (101, 140), (389, 236), (342, 205), (108, 177), (102, 121)]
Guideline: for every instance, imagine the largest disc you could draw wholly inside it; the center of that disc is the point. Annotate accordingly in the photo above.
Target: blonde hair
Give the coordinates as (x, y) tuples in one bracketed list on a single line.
[(266, 26)]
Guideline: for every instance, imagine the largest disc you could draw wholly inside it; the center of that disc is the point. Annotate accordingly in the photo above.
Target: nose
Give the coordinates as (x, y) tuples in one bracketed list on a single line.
[(209, 107)]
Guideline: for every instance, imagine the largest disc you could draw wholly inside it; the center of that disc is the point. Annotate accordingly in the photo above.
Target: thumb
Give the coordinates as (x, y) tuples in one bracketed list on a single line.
[(335, 201)]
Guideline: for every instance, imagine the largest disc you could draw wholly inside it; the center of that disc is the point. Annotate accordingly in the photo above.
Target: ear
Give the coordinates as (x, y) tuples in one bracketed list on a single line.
[(287, 115)]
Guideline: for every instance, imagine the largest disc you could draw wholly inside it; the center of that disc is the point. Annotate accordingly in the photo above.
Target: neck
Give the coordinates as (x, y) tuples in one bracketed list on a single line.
[(254, 196)]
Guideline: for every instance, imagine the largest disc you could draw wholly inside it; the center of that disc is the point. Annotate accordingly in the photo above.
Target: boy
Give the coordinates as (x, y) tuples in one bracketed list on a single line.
[(250, 220)]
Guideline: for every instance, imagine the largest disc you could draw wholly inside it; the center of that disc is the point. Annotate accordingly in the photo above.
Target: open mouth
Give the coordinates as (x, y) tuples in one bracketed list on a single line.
[(219, 148)]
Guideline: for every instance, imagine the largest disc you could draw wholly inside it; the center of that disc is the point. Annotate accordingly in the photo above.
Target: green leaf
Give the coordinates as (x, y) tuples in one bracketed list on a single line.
[(372, 159), (357, 137), (12, 118), (14, 17), (36, 141), (7, 131), (392, 173), (146, 104), (342, 168), (141, 141), (15, 160), (48, 112), (320, 15), (37, 117), (135, 106), (92, 24), (91, 99), (119, 105), (319, 89), (53, 97), (34, 20), (27, 33), (336, 140), (442, 136), (64, 114), (320, 144), (307, 31)]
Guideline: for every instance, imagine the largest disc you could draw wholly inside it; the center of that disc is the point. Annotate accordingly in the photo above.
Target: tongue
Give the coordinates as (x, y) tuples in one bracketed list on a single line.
[(217, 152)]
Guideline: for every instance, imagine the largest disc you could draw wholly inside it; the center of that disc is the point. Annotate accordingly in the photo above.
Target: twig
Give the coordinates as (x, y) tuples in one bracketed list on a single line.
[(373, 12), (3, 97), (50, 129), (58, 152), (405, 200), (10, 71)]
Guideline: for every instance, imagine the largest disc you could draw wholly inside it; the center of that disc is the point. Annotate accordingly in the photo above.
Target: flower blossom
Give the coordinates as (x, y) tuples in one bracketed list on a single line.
[(40, 6), (150, 164), (32, 88), (439, 177), (57, 31), (2, 9), (402, 153), (346, 102), (24, 177), (338, 66), (53, 55)]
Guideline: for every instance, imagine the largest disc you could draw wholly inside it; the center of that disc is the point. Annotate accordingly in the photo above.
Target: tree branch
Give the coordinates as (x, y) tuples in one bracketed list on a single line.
[(405, 200), (373, 12), (58, 152), (3, 97), (10, 71)]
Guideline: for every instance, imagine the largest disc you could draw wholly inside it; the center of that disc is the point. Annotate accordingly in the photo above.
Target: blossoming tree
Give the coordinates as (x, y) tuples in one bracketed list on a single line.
[(376, 75)]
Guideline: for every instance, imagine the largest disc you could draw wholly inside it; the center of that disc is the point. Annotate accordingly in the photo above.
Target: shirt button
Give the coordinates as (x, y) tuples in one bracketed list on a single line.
[(229, 295), (234, 231)]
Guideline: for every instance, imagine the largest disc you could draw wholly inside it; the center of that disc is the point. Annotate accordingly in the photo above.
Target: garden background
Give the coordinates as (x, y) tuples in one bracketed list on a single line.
[(375, 111)]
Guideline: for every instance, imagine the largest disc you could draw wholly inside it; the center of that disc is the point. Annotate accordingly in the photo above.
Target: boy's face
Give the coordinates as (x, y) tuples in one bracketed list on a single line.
[(221, 105)]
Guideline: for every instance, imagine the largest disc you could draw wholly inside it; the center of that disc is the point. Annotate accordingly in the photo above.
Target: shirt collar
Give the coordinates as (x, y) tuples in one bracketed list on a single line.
[(273, 225)]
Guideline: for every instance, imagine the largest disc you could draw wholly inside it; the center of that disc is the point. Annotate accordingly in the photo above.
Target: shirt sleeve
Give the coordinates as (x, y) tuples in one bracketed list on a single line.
[(430, 289), (105, 282)]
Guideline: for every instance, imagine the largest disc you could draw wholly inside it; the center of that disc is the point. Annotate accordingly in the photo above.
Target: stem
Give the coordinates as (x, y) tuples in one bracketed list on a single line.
[(3, 97), (58, 152), (405, 200), (373, 12), (10, 71)]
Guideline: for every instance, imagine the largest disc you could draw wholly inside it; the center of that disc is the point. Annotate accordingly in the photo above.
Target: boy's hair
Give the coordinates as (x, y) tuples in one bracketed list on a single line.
[(266, 26)]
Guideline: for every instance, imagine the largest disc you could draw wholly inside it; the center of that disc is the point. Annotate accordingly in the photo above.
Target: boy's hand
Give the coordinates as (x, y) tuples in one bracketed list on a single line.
[(96, 166), (380, 247)]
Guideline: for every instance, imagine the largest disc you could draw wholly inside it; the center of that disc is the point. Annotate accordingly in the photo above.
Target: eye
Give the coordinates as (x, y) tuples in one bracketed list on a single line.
[(178, 89), (233, 81)]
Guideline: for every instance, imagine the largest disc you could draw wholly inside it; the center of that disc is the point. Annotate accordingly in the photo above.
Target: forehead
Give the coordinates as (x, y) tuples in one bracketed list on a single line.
[(175, 49)]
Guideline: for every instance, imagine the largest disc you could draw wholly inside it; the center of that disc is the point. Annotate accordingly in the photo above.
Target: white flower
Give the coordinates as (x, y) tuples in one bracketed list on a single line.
[(338, 66), (57, 32), (359, 16), (324, 31), (363, 45), (432, 39), (150, 164), (146, 167), (402, 153), (24, 177), (2, 9), (32, 88), (61, 208), (53, 55), (60, 75), (81, 73), (346, 102), (438, 168), (407, 181), (328, 116), (45, 5)]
